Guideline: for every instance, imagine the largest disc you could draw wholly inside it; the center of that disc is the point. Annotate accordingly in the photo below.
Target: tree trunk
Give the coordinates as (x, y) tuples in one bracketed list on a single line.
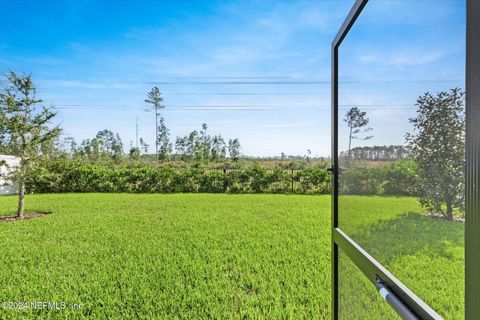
[(21, 196), (449, 211), (156, 133), (349, 143)]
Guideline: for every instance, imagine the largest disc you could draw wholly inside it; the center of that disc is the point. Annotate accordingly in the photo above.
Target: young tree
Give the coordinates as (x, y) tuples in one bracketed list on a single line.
[(111, 144), (105, 145), (134, 153), (200, 146), (205, 143), (234, 149), (356, 121), (309, 155), (154, 97), (188, 145), (26, 128), (181, 146), (70, 146), (218, 148), (163, 141), (144, 146), (438, 148)]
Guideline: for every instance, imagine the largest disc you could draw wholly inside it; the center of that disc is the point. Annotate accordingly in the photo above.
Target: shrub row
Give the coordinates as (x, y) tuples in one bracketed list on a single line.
[(68, 176), (398, 178)]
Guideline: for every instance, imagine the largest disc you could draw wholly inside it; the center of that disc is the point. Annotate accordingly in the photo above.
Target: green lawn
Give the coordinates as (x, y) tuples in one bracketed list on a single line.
[(199, 256)]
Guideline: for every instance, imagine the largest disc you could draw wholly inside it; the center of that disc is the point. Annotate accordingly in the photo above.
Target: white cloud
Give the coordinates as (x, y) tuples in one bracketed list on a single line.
[(404, 57)]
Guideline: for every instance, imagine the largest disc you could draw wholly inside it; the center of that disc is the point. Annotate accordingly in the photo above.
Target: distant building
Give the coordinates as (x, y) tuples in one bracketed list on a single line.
[(7, 165)]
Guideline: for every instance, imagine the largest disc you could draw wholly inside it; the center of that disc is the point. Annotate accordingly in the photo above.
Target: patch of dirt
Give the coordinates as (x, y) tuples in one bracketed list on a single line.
[(27, 216), (456, 218)]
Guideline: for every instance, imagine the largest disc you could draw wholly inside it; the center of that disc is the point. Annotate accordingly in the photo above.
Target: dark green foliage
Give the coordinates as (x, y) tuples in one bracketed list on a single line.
[(314, 181), (400, 178), (438, 147), (74, 176), (134, 153), (396, 178), (361, 181)]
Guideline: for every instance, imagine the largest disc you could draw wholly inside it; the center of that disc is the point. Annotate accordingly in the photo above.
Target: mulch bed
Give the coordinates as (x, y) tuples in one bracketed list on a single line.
[(456, 218), (27, 216)]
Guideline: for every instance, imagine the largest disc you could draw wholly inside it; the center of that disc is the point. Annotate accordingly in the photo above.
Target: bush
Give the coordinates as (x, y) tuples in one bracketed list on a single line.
[(364, 181), (397, 178), (314, 181), (73, 176), (400, 178)]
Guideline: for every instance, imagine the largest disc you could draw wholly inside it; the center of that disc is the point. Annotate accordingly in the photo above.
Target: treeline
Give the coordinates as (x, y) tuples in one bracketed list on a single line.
[(200, 146), (392, 152), (197, 146)]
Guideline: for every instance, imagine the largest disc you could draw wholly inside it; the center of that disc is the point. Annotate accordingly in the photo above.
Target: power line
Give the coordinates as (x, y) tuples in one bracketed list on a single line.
[(241, 93), (238, 82), (301, 82), (222, 107), (235, 77)]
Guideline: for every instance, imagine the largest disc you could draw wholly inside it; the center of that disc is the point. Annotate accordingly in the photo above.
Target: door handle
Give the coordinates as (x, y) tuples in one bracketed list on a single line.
[(332, 170), (403, 311)]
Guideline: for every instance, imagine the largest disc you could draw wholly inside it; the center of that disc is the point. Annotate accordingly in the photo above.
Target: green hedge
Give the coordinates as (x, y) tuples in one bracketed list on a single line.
[(69, 176), (397, 178)]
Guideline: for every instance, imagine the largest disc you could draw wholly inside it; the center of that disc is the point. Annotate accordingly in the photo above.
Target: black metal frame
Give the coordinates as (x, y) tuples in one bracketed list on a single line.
[(367, 264), (472, 188)]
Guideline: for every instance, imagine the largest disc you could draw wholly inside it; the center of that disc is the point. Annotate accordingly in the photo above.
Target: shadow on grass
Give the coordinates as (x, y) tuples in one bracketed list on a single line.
[(27, 216), (408, 234)]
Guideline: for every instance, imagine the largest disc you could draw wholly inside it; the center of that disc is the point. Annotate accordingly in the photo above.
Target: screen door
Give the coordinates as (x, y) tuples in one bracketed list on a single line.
[(404, 203)]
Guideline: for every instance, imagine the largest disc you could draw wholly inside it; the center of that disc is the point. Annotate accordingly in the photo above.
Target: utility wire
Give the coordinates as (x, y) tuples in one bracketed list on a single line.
[(223, 107), (300, 82)]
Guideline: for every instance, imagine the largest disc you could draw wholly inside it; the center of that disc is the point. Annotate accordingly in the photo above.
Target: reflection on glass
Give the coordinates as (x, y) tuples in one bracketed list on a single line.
[(401, 144), (358, 297)]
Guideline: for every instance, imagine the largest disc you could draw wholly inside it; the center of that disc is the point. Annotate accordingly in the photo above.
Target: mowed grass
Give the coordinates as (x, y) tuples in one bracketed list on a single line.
[(180, 256), (425, 253), (206, 256)]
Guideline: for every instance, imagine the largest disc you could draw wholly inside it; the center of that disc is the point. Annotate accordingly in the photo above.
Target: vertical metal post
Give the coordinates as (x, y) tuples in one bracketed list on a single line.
[(342, 33), (224, 180), (472, 190), (334, 137), (292, 181)]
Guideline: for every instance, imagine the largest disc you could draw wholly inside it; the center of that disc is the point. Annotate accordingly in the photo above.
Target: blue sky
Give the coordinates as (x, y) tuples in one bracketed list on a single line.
[(95, 60)]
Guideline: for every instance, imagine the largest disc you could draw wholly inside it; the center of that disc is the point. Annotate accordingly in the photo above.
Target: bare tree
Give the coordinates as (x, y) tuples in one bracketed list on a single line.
[(357, 122)]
